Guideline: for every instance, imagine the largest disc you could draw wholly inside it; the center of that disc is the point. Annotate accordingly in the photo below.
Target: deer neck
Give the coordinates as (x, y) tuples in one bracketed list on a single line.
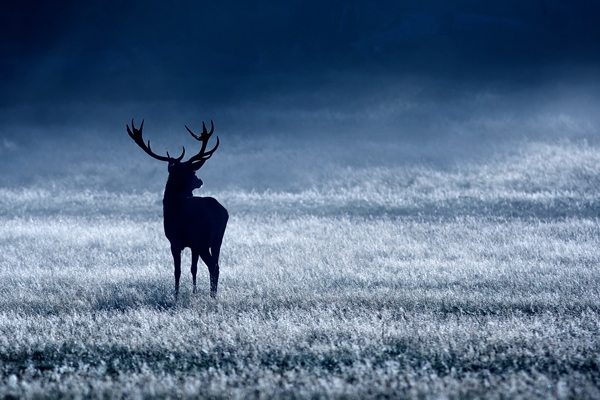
[(173, 196)]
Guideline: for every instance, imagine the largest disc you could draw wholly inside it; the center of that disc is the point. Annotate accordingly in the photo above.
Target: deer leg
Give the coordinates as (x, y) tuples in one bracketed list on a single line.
[(177, 261), (214, 272), (214, 279), (194, 268), (215, 251)]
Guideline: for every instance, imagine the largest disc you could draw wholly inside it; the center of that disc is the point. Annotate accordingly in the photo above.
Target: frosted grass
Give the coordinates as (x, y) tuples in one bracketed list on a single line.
[(381, 278), (466, 261), (307, 305)]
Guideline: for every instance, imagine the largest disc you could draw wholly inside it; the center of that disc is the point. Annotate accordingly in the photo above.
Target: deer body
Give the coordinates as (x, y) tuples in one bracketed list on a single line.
[(195, 222), (199, 224)]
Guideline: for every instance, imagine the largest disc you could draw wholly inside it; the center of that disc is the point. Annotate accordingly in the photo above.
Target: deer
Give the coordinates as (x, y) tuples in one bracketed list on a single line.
[(191, 222)]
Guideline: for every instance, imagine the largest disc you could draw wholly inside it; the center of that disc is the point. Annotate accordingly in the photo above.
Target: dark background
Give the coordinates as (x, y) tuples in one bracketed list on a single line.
[(297, 89), (226, 51)]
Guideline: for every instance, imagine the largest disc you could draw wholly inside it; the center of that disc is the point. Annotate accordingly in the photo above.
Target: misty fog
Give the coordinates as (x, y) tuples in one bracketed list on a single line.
[(298, 92), (295, 141)]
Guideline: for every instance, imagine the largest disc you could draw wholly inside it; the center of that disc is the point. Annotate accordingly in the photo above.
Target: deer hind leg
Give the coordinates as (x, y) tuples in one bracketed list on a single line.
[(213, 270), (214, 279), (194, 269), (215, 251), (177, 261)]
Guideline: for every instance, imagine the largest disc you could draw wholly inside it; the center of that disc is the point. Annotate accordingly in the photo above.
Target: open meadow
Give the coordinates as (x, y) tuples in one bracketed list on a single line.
[(352, 266)]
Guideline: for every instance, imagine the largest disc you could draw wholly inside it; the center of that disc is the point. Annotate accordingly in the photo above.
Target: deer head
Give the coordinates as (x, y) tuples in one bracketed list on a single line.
[(182, 175)]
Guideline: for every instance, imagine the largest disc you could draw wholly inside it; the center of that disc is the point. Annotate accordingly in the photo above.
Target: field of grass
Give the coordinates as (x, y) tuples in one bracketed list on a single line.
[(470, 279)]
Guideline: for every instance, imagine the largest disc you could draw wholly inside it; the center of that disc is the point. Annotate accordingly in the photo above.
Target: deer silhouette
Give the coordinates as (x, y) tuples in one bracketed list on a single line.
[(195, 222)]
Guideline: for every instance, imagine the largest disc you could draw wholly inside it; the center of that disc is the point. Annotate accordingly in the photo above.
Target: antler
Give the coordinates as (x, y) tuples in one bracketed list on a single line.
[(136, 135), (199, 159)]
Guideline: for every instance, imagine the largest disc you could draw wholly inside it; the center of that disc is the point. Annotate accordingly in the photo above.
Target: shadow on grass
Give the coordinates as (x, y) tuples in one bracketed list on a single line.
[(127, 296), (482, 298), (70, 295)]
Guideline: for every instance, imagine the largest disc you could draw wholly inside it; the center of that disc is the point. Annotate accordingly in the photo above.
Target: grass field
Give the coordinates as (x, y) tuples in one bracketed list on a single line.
[(414, 271)]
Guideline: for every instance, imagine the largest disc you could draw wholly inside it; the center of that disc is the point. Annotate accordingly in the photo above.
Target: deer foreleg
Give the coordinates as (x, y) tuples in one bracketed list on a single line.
[(194, 268), (177, 261)]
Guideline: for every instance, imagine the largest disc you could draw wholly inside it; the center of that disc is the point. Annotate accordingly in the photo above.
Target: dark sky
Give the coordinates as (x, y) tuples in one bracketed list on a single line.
[(114, 51), (456, 74)]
